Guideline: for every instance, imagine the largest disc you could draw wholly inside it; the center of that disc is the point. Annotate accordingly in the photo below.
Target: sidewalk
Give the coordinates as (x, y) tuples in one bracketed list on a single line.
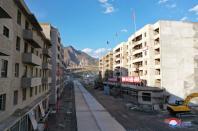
[(91, 115)]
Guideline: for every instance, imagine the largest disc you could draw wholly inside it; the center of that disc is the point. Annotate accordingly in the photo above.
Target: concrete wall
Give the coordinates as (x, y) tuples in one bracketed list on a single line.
[(179, 42)]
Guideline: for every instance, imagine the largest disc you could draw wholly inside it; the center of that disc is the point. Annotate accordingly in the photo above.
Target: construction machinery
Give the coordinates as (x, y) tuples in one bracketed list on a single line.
[(181, 106)]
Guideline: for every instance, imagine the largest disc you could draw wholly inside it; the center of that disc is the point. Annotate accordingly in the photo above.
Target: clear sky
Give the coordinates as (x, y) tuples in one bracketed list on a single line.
[(89, 24)]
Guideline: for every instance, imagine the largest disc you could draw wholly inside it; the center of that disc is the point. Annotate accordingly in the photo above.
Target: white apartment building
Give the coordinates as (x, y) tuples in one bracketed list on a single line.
[(120, 65), (24, 68), (106, 63), (164, 55)]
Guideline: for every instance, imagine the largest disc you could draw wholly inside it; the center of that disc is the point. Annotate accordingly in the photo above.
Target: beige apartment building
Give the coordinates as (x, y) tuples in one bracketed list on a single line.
[(106, 63), (25, 68), (164, 55), (57, 61), (120, 58)]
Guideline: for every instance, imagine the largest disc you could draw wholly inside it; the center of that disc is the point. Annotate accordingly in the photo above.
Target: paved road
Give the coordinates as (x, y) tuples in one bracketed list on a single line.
[(136, 120), (91, 115)]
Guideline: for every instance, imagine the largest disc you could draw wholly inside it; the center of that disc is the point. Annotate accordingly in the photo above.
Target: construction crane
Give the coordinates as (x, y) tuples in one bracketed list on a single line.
[(181, 106)]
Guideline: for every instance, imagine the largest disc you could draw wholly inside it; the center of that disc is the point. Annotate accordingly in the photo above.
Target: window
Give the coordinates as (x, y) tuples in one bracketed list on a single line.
[(15, 98), (145, 73), (145, 52), (24, 94), (145, 34), (36, 90), (18, 42), (4, 68), (31, 91), (25, 48), (2, 102), (145, 62), (17, 70), (32, 50), (146, 96), (6, 31), (25, 71), (145, 44), (26, 25), (39, 89), (19, 17)]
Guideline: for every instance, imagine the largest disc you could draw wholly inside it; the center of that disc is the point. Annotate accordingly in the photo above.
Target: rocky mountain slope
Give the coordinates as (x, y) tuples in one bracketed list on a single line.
[(73, 57)]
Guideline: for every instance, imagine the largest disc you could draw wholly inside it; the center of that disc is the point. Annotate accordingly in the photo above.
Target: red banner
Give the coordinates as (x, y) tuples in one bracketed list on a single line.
[(131, 79)]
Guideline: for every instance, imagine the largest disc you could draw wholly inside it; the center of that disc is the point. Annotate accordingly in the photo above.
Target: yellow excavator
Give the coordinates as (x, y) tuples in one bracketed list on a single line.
[(181, 106)]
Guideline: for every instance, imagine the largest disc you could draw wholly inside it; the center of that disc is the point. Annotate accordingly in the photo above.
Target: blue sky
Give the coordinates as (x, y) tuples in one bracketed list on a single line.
[(89, 24)]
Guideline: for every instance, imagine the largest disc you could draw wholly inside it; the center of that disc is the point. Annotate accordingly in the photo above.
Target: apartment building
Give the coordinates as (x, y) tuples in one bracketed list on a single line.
[(106, 63), (120, 65), (58, 65), (164, 55), (24, 66)]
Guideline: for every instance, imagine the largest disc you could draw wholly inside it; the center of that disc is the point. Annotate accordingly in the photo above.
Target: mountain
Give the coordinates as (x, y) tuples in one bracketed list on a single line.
[(73, 57)]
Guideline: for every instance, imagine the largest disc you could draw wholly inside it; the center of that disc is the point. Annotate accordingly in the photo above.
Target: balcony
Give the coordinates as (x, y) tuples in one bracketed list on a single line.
[(31, 82), (157, 56), (5, 45), (32, 59), (47, 66), (47, 80), (137, 59), (156, 45), (157, 66), (47, 52), (32, 37), (158, 77), (156, 36), (137, 51)]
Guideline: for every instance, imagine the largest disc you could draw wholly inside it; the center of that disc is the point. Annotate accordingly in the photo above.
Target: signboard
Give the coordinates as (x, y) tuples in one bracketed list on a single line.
[(131, 79)]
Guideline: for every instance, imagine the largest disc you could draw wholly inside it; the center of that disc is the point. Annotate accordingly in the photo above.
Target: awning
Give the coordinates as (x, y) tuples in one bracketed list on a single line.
[(42, 110), (3, 13), (33, 120)]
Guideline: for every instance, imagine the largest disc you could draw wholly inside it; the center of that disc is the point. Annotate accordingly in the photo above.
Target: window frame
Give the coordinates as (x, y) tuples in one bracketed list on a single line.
[(2, 102), (16, 74), (19, 17), (4, 68), (6, 31), (18, 43)]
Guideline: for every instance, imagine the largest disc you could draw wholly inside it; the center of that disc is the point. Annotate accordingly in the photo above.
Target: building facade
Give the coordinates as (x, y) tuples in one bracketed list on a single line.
[(120, 66), (106, 63), (164, 55), (25, 69), (58, 65)]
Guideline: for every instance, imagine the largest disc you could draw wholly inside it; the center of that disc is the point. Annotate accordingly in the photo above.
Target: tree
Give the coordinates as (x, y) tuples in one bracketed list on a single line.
[(98, 83), (108, 74)]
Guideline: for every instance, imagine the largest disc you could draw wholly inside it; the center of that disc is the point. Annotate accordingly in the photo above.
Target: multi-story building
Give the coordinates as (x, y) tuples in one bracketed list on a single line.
[(164, 55), (106, 63), (24, 66), (120, 57), (58, 65)]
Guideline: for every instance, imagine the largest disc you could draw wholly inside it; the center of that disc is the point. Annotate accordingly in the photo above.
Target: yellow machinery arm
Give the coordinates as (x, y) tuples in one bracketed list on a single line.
[(188, 98), (183, 107)]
